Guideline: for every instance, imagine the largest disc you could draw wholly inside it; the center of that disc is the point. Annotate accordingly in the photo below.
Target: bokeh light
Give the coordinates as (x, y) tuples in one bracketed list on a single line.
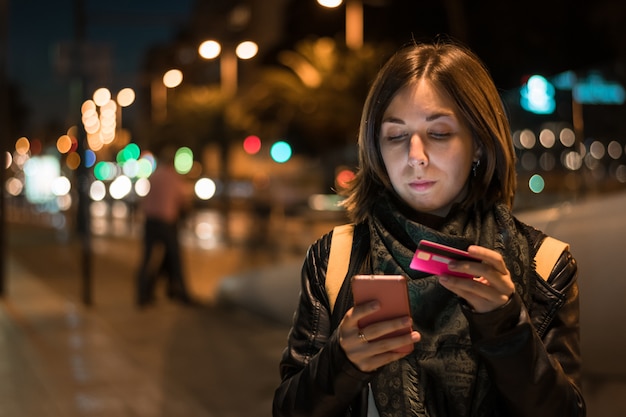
[(614, 149), (14, 186), (183, 161), (64, 144), (73, 160), (61, 186), (22, 145), (246, 50), (120, 187), (126, 97), (330, 3), (172, 78), (280, 152), (567, 137), (547, 138), (142, 187), (536, 183), (209, 49), (8, 160), (527, 139), (101, 96), (343, 178), (97, 191), (252, 145), (205, 188)]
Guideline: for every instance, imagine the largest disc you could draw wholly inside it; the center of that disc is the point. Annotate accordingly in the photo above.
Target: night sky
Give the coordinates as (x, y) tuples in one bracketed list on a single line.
[(514, 38), (125, 28)]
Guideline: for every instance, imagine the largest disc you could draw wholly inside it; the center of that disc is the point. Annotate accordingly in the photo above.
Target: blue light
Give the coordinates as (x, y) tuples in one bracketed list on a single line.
[(90, 158), (536, 184), (537, 96), (280, 152), (597, 90)]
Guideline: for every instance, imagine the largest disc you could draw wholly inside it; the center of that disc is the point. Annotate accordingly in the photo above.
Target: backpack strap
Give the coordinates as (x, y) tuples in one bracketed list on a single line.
[(338, 260), (548, 254), (341, 247)]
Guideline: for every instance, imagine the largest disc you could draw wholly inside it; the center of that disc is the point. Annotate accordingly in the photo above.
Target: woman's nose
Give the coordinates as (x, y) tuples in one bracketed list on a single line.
[(417, 152)]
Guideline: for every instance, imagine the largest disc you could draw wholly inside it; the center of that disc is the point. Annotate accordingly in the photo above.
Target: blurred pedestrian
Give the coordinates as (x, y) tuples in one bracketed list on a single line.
[(163, 209), (436, 162)]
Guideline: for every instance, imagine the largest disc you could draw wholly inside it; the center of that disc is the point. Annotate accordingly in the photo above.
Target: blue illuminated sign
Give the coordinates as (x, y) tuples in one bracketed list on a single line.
[(597, 90), (537, 96)]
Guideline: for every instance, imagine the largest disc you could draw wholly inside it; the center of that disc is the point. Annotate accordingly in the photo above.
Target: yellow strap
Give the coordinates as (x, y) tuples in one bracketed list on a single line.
[(547, 255), (338, 260)]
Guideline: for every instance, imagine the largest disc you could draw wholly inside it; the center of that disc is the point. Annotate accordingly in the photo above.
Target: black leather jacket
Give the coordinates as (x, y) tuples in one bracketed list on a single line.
[(533, 360)]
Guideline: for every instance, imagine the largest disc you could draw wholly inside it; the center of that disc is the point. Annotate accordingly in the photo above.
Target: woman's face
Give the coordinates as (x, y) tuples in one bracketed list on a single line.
[(427, 149)]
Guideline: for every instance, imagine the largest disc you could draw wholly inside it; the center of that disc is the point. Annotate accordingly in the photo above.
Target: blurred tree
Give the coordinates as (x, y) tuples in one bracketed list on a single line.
[(313, 98)]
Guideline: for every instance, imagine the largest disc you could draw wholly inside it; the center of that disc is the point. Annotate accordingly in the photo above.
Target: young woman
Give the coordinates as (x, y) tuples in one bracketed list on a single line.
[(437, 162)]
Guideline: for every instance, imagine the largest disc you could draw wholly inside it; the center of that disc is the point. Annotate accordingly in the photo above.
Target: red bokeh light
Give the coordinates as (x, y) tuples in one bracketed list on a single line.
[(252, 145)]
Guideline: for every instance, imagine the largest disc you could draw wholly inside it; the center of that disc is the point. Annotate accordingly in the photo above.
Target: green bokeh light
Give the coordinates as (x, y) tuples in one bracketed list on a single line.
[(536, 183), (183, 161), (102, 171), (130, 151)]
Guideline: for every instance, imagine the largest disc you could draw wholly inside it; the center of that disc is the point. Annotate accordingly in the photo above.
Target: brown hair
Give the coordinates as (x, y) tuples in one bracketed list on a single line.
[(457, 72)]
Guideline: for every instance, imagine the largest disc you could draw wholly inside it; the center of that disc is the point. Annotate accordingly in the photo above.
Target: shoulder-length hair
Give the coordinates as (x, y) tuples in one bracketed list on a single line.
[(456, 71)]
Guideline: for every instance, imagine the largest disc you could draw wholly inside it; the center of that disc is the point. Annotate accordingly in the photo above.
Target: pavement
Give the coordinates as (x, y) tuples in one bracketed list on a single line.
[(63, 358)]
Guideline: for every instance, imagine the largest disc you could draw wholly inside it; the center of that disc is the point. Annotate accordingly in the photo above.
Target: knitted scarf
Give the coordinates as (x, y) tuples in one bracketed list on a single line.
[(442, 377)]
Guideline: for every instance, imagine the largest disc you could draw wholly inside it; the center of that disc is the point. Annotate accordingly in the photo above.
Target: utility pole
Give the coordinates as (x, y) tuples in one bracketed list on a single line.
[(77, 98), (4, 136)]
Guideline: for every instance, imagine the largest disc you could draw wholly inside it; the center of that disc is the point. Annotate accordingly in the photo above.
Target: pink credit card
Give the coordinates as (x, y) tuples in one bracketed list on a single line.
[(434, 258)]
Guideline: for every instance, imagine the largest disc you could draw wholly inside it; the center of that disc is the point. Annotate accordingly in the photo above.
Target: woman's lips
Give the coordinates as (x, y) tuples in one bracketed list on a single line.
[(422, 185)]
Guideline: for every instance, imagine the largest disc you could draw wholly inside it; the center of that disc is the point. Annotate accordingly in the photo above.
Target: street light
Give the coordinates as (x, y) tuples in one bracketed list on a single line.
[(354, 20), (158, 93), (211, 49)]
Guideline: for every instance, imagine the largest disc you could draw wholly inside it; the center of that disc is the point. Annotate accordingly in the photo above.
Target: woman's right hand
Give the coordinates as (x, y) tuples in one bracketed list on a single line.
[(361, 346)]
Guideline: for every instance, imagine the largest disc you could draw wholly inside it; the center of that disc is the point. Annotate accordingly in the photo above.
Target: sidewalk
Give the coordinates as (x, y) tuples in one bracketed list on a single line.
[(63, 359)]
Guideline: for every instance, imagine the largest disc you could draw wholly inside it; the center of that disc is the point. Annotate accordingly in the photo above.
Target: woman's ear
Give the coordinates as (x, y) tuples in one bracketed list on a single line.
[(478, 152)]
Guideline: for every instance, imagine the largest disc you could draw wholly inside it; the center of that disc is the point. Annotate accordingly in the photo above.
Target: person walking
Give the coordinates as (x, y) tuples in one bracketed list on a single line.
[(436, 162), (163, 208)]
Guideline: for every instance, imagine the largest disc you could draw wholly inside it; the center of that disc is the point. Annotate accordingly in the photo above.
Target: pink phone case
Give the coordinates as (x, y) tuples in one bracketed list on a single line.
[(391, 291), (434, 258)]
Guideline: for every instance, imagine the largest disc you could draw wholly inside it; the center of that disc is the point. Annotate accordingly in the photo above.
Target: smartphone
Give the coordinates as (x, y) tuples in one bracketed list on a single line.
[(434, 258), (391, 291)]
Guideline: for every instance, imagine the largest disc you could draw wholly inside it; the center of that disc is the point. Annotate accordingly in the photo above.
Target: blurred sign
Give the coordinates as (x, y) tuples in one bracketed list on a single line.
[(537, 96), (40, 173), (596, 90)]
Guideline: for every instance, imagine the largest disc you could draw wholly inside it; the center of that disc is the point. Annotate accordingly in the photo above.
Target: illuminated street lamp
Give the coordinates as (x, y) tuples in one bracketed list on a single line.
[(211, 49), (354, 20), (102, 116), (158, 92)]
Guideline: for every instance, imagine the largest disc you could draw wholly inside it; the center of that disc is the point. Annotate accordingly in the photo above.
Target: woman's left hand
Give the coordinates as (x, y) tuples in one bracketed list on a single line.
[(491, 288)]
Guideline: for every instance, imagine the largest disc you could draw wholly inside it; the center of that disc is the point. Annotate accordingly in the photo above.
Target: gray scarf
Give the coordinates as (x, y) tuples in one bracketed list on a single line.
[(442, 377)]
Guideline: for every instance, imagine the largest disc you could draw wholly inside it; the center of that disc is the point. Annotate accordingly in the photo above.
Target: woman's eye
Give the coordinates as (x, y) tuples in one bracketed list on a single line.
[(396, 136), (440, 135)]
